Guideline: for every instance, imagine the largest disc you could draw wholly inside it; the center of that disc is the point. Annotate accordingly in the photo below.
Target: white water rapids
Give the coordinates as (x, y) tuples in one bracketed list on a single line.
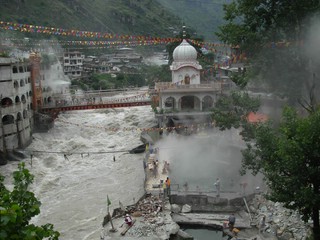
[(73, 191)]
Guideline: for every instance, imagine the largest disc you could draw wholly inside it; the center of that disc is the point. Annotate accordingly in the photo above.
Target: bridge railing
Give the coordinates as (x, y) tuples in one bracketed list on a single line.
[(82, 100)]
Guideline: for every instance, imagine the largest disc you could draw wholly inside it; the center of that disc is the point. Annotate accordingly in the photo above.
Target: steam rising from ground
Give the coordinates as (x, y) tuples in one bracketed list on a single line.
[(200, 159)]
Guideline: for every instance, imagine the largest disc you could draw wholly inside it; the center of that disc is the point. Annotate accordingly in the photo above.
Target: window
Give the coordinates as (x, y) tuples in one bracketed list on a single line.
[(15, 84), (21, 69), (14, 69), (17, 100)]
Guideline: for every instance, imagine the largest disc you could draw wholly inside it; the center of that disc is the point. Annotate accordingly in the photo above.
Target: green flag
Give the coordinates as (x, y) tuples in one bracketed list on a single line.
[(108, 201)]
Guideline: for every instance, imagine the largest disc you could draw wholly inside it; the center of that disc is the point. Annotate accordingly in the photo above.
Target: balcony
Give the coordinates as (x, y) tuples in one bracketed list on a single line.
[(170, 87)]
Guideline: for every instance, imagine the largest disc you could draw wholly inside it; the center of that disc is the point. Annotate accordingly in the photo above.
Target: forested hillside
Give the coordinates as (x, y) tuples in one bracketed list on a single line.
[(135, 17), (202, 15)]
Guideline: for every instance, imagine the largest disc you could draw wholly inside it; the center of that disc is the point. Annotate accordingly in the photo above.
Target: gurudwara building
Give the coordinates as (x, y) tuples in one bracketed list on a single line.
[(186, 99)]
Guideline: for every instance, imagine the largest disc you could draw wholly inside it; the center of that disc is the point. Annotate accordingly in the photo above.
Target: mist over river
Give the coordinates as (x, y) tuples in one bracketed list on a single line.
[(73, 190)]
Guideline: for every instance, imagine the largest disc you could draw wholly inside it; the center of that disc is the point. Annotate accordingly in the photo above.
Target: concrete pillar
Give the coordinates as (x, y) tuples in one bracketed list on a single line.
[(176, 103)]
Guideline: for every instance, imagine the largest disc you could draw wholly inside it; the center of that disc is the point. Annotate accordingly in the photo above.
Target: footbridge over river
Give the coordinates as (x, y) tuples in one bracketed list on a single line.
[(86, 100)]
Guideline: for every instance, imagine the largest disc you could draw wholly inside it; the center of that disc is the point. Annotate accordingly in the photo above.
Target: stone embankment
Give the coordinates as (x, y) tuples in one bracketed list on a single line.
[(157, 219)]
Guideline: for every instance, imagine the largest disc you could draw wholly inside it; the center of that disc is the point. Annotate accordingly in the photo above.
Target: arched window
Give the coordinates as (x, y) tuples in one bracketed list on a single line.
[(14, 69), (21, 83), (19, 117), (21, 69), (49, 99), (25, 114), (23, 99), (5, 102), (15, 84), (7, 119), (207, 103), (187, 80), (169, 103), (188, 103), (17, 100)]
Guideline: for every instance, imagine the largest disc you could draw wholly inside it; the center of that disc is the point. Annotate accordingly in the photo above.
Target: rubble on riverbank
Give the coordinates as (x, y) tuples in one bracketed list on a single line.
[(156, 219), (153, 221), (281, 223)]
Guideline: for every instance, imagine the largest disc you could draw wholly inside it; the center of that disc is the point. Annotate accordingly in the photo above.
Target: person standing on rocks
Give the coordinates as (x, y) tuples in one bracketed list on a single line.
[(164, 186), (217, 185), (262, 224), (168, 183), (231, 221)]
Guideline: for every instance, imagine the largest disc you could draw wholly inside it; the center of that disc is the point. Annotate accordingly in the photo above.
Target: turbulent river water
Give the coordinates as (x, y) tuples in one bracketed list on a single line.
[(73, 189)]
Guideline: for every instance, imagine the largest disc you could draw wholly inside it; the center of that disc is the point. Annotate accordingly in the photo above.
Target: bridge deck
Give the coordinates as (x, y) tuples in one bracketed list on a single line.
[(94, 106)]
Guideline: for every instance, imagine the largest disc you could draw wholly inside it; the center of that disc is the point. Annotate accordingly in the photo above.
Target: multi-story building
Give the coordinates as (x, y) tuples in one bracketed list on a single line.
[(16, 103), (27, 85), (73, 64)]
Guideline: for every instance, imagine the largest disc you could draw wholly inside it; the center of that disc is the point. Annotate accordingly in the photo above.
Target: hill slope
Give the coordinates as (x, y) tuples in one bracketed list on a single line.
[(134, 17), (203, 15)]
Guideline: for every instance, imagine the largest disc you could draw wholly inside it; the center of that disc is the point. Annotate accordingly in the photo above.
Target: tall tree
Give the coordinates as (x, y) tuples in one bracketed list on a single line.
[(271, 33), (18, 206), (289, 158)]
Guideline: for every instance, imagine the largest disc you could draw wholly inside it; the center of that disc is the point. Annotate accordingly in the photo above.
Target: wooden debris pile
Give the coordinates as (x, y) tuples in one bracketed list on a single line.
[(148, 208)]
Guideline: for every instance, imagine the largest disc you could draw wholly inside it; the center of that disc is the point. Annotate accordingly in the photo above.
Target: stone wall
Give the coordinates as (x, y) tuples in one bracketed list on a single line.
[(204, 203)]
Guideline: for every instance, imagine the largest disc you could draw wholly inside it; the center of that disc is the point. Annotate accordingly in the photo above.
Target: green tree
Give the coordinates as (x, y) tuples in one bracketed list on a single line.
[(18, 206), (289, 158), (270, 33), (154, 73), (231, 111)]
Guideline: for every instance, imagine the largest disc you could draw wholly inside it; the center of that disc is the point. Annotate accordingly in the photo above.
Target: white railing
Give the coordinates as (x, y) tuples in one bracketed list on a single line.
[(168, 85)]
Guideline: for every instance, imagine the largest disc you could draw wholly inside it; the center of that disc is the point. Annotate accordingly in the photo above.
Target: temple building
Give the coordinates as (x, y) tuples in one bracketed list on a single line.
[(186, 99)]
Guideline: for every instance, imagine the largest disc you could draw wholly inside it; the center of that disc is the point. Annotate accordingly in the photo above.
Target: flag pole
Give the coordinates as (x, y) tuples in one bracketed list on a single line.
[(108, 204)]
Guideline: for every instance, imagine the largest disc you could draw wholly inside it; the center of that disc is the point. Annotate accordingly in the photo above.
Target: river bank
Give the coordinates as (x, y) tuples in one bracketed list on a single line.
[(169, 222)]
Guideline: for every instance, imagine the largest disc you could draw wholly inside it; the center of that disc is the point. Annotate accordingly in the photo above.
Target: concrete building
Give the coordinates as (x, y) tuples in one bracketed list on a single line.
[(16, 103), (27, 85), (186, 99), (73, 64)]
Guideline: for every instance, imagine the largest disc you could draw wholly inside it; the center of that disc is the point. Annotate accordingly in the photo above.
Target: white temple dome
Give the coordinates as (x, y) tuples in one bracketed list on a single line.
[(184, 52)]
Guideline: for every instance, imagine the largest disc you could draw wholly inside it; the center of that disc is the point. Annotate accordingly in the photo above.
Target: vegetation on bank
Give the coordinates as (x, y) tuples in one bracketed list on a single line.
[(270, 34), (18, 206)]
